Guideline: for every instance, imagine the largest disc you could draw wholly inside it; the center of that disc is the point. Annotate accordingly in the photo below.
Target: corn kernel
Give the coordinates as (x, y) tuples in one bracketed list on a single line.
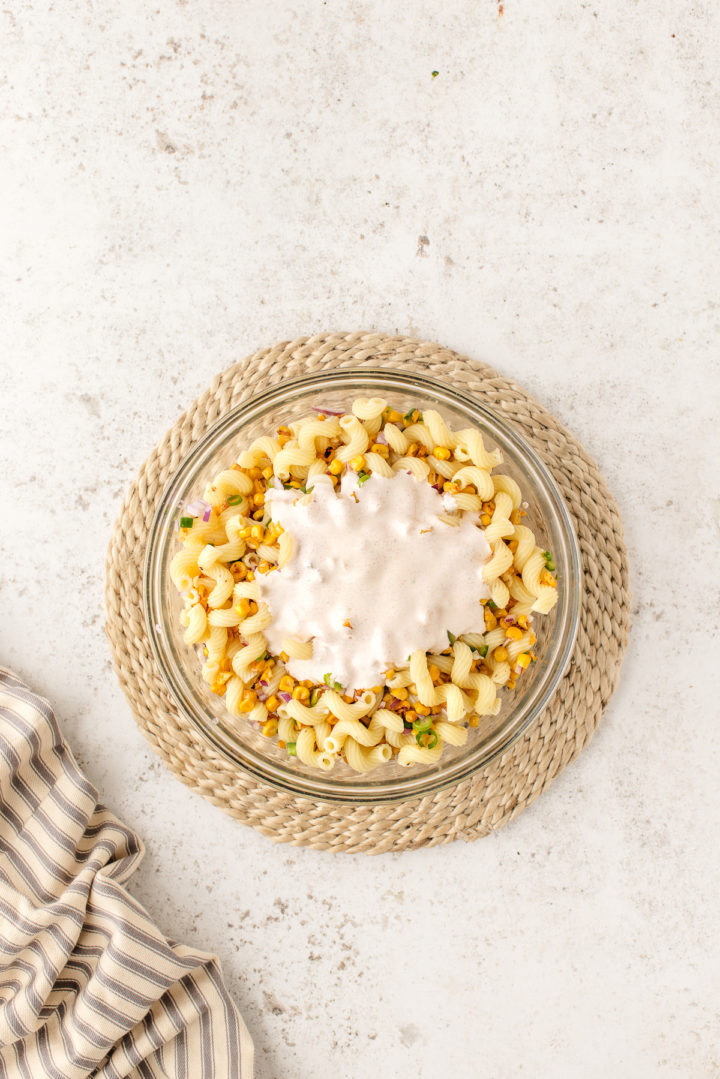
[(254, 473), (301, 693), (250, 576), (248, 700), (524, 660), (514, 633), (441, 452), (357, 464), (257, 531), (389, 673), (500, 654), (272, 703), (286, 684), (283, 430), (218, 687), (378, 447), (280, 744), (259, 499), (434, 672), (240, 571), (269, 728), (410, 716), (490, 619), (401, 694), (336, 468), (394, 417), (522, 621), (451, 488), (264, 567), (267, 473), (412, 449), (485, 519), (422, 709), (241, 608), (474, 721)]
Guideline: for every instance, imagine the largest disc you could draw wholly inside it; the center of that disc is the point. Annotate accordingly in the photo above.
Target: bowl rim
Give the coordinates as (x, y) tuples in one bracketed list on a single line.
[(370, 792)]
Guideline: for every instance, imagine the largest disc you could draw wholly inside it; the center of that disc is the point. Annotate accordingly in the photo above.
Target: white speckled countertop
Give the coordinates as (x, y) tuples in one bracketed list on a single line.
[(183, 183)]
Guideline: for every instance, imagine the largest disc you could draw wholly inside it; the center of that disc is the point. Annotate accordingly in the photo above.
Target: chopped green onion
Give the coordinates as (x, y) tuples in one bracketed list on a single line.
[(422, 725), (451, 637), (492, 606), (483, 650), (292, 748), (235, 500), (314, 697), (434, 74), (431, 734), (363, 477), (187, 522), (328, 680), (408, 415)]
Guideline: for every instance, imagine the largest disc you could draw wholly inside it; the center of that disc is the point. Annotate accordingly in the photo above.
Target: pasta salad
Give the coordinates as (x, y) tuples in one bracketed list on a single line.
[(361, 587)]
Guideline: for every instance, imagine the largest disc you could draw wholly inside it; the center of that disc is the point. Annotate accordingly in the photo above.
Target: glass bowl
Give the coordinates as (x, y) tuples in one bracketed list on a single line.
[(237, 739)]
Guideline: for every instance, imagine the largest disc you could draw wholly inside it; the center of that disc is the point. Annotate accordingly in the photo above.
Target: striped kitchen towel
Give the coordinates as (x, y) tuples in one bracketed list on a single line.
[(88, 985)]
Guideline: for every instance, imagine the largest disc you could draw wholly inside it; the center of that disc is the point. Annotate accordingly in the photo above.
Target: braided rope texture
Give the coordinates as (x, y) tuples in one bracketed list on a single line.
[(475, 806)]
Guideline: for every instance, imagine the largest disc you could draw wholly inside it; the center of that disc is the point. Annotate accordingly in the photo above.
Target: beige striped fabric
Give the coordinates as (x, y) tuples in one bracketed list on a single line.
[(88, 985)]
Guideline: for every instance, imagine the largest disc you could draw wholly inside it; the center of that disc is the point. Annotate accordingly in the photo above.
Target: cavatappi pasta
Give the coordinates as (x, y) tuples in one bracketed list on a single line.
[(229, 544)]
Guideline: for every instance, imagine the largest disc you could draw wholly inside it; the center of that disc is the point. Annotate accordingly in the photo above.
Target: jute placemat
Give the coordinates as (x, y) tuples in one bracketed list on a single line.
[(507, 785)]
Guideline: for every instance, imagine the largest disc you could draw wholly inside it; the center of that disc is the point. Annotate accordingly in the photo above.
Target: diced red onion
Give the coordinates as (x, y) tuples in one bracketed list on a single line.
[(436, 486), (394, 705), (381, 439), (285, 697), (199, 508), (327, 411)]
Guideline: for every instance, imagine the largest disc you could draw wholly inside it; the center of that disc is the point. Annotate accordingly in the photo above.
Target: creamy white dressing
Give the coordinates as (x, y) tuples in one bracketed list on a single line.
[(375, 556)]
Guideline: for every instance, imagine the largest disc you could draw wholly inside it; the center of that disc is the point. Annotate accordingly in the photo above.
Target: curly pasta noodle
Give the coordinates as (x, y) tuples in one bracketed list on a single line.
[(362, 759)]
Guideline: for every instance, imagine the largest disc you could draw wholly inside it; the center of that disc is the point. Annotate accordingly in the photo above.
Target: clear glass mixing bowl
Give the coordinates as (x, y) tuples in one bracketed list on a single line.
[(237, 739)]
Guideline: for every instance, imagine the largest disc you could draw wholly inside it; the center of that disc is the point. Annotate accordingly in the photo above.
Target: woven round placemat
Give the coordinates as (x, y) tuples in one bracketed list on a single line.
[(507, 785)]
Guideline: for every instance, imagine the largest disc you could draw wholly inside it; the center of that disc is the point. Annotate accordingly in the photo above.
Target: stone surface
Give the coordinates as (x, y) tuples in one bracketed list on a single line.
[(183, 183)]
